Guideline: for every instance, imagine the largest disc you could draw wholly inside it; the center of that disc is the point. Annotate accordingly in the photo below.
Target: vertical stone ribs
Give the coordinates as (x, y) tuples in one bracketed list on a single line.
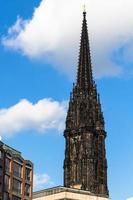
[(85, 165), (84, 77)]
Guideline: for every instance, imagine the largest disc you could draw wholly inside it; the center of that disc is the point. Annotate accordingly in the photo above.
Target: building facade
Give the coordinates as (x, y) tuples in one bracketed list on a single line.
[(85, 164), (63, 193), (16, 175)]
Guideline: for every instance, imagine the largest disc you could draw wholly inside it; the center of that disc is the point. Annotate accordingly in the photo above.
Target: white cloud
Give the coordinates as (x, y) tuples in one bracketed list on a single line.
[(53, 33), (40, 181), (42, 116), (130, 198)]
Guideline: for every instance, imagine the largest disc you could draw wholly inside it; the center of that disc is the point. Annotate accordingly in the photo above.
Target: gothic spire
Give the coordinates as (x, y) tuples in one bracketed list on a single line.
[(85, 164), (84, 76)]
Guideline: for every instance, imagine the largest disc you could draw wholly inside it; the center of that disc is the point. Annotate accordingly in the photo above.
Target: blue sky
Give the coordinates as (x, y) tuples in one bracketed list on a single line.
[(32, 71)]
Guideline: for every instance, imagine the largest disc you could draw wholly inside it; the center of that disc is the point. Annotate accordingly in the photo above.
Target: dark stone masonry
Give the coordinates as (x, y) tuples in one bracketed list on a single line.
[(85, 164)]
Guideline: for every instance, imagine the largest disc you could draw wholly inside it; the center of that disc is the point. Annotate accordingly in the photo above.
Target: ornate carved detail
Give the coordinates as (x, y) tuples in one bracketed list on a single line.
[(85, 164)]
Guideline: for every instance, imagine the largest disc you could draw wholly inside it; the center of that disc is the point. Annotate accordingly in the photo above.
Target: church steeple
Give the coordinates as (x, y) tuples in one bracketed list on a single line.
[(85, 164), (84, 76)]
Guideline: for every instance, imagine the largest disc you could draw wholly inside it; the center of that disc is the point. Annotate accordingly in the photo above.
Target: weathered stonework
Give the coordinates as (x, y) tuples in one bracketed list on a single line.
[(85, 164)]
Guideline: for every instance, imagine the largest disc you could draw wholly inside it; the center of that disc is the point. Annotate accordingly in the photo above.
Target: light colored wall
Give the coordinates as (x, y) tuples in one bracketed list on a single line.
[(70, 195)]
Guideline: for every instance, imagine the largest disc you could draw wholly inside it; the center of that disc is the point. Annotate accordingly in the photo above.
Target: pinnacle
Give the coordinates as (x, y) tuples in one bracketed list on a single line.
[(84, 75)]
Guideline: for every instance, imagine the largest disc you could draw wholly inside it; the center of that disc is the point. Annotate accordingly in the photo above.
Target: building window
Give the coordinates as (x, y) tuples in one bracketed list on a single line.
[(7, 164), (6, 183), (1, 154), (27, 190), (0, 187), (1, 171), (17, 170), (5, 196), (28, 174), (15, 198), (16, 186)]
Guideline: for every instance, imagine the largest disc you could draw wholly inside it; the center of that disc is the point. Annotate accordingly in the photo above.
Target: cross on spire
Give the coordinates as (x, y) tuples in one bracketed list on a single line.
[(84, 8)]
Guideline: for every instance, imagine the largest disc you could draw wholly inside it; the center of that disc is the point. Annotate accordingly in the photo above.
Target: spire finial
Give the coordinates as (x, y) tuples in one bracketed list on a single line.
[(84, 11), (84, 8)]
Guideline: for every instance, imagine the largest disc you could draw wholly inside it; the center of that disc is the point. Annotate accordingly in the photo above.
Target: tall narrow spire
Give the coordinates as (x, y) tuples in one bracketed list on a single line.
[(84, 76), (85, 164)]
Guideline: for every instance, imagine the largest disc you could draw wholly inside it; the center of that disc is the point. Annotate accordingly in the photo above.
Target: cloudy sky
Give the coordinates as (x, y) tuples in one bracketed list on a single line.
[(39, 45)]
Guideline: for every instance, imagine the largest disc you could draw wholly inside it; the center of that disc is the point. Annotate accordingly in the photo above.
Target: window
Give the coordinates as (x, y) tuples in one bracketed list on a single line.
[(6, 183), (17, 186), (27, 190), (0, 187), (6, 196), (1, 171), (17, 170), (1, 154), (16, 198), (7, 165), (28, 174)]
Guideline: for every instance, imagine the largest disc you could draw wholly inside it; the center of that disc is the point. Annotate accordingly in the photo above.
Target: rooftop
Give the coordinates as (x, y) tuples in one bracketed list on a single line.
[(60, 189), (8, 148)]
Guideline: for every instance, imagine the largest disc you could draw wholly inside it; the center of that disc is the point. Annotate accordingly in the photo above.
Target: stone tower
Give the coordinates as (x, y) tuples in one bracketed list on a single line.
[(85, 164)]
